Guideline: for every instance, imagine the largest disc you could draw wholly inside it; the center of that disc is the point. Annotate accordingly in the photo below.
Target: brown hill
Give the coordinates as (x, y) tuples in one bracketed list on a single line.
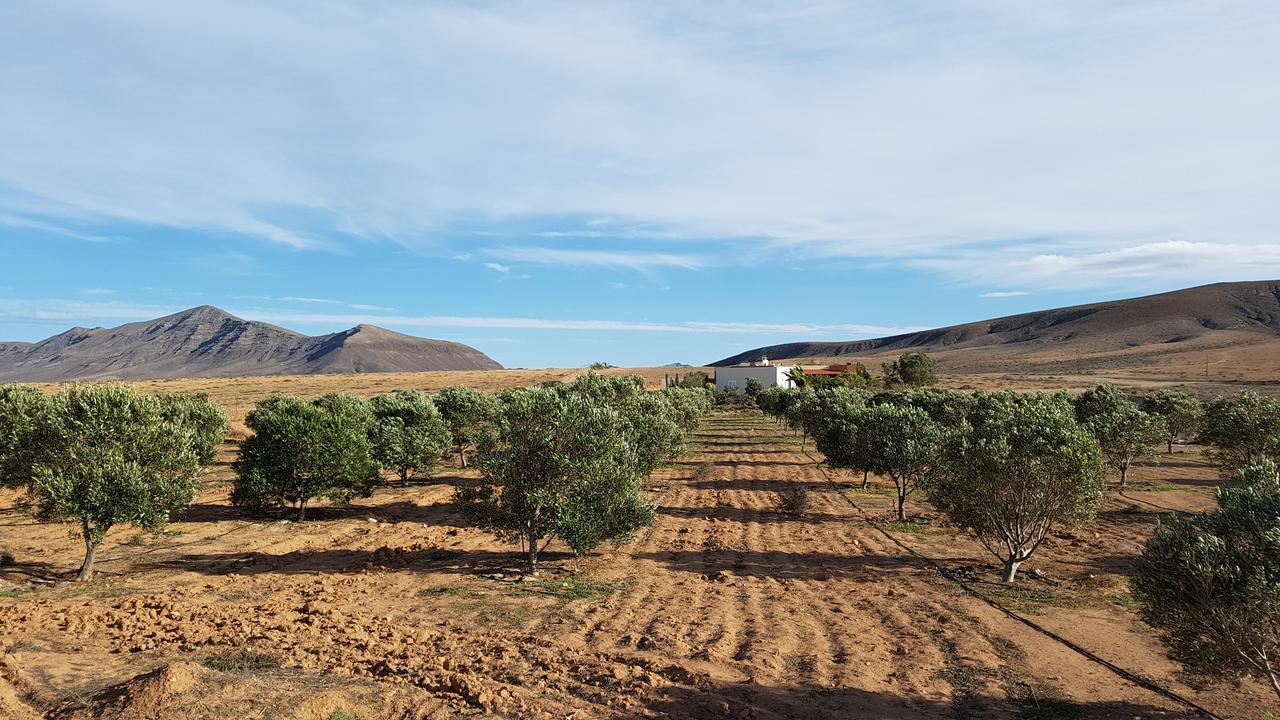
[(1119, 333), (208, 342)]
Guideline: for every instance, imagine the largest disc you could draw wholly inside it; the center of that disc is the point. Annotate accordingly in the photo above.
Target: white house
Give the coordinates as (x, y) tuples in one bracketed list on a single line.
[(736, 376)]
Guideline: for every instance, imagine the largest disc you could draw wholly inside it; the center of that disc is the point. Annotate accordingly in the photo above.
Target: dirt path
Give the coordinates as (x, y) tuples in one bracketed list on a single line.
[(725, 608)]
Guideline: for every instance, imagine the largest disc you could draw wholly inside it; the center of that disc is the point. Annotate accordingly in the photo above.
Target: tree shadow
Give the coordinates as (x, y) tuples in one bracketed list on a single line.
[(709, 699), (417, 558), (786, 565), (745, 515), (779, 485)]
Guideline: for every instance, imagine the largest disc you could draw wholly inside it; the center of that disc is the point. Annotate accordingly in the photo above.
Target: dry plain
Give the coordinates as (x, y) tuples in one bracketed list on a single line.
[(393, 608)]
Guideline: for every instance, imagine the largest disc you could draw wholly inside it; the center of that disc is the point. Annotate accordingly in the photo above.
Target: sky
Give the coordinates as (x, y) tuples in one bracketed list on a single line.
[(559, 183)]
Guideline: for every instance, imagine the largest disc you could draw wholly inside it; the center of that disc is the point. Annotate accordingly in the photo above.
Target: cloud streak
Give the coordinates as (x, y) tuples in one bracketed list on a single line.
[(53, 311)]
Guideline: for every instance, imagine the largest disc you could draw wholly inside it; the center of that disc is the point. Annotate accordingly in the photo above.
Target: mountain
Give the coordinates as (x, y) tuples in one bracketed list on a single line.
[(1118, 333), (208, 342)]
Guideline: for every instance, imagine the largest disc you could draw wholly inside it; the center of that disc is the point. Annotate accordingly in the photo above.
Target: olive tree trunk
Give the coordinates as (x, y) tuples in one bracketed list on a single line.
[(90, 549)]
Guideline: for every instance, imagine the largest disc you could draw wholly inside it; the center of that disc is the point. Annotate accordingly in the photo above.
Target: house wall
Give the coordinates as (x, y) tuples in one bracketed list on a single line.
[(738, 375)]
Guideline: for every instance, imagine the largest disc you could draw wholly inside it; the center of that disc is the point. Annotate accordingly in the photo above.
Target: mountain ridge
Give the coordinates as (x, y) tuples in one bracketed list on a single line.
[(206, 341), (1082, 331)]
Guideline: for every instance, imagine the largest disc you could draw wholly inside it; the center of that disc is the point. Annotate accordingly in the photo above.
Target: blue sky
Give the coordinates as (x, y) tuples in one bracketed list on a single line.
[(640, 183)]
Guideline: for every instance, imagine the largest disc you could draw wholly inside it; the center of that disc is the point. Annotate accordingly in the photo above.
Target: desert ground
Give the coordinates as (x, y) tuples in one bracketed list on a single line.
[(393, 608)]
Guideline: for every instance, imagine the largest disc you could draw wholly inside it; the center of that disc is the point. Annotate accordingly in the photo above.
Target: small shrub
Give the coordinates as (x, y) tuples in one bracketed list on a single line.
[(341, 714), (7, 559), (794, 501), (242, 661), (703, 473)]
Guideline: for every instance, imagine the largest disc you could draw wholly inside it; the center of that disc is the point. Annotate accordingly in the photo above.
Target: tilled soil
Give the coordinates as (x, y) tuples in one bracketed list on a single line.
[(727, 607)]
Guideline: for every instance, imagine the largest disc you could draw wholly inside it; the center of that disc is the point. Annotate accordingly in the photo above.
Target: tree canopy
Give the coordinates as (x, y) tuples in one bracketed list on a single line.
[(409, 435), (1183, 414), (912, 368), (1021, 466), (108, 455), (1244, 430), (903, 443), (561, 463), (468, 413), (1211, 583), (301, 450)]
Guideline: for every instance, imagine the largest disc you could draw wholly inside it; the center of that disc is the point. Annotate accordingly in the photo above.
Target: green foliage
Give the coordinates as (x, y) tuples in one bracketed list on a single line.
[(1124, 433), (22, 411), (1210, 584), (409, 435), (567, 462), (469, 414), (695, 380), (301, 450), (601, 366), (205, 419), (1243, 430), (107, 456), (903, 443), (1021, 465), (1183, 414), (913, 368), (947, 407), (754, 387), (689, 405), (813, 412)]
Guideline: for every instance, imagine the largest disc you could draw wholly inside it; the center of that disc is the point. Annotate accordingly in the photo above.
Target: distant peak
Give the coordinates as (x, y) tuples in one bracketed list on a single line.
[(202, 312)]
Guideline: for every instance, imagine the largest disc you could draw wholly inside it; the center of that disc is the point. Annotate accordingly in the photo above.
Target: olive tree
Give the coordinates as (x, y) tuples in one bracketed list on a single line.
[(903, 443), (689, 405), (558, 465), (408, 433), (301, 450), (107, 456), (912, 368), (1124, 432), (468, 413), (1183, 414), (22, 410), (1210, 584), (1021, 466), (1243, 431), (205, 418)]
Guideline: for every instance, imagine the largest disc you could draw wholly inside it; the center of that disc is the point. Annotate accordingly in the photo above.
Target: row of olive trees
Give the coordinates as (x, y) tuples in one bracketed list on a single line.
[(336, 447), (1010, 466), (100, 456)]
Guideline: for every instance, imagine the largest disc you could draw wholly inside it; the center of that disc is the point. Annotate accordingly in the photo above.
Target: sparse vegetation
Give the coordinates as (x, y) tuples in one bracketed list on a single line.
[(794, 502), (242, 661)]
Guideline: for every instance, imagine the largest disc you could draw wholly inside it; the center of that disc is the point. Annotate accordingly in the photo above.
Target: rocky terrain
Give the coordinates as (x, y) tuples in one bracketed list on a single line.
[(208, 342)]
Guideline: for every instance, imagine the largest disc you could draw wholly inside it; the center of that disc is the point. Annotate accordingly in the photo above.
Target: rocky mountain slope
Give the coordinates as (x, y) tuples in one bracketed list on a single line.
[(1101, 334), (208, 342)]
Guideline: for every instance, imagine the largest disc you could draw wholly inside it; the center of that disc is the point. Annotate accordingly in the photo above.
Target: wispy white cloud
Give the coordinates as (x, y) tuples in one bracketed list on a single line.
[(498, 267), (314, 300), (57, 311), (1092, 266), (639, 261), (97, 291), (1004, 294)]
